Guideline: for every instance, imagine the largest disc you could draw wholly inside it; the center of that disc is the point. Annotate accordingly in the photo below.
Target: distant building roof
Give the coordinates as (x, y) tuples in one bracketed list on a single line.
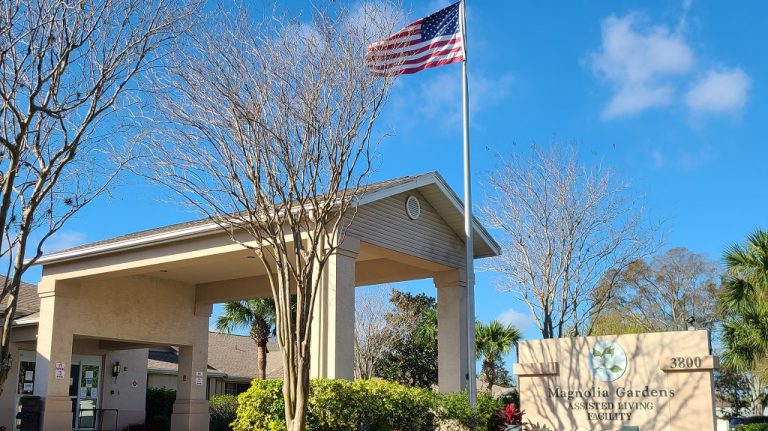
[(232, 356), (28, 302)]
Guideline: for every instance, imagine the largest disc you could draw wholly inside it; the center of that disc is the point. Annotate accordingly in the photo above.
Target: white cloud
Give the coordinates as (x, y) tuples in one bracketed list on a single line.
[(639, 60), (633, 99), (723, 91), (523, 321), (63, 240), (648, 64)]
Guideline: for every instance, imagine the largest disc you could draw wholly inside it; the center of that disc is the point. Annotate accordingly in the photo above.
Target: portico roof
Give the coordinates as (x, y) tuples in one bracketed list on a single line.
[(430, 185)]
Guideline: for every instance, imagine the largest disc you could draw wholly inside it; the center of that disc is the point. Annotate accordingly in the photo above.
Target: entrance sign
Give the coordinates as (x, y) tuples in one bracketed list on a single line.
[(656, 381)]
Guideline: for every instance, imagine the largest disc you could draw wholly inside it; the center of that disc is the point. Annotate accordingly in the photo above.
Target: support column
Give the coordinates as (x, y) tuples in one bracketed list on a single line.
[(190, 411), (54, 352), (333, 317), (452, 363)]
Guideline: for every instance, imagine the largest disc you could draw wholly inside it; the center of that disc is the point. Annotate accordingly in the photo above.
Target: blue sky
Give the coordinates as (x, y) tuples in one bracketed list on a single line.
[(668, 94)]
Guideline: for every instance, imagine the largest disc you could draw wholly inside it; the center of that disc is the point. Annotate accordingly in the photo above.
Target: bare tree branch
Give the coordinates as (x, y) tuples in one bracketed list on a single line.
[(265, 129), (373, 333), (563, 227), (67, 71)]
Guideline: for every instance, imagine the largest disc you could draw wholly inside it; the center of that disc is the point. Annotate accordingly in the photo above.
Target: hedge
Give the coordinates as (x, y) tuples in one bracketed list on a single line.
[(340, 405), (223, 409), (365, 405), (159, 403)]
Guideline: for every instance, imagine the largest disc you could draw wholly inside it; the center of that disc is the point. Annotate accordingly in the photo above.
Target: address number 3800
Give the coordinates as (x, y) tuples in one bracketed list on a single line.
[(684, 362)]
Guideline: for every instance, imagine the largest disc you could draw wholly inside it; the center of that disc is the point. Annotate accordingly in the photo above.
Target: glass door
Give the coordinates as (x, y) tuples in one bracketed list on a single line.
[(84, 390), (26, 380)]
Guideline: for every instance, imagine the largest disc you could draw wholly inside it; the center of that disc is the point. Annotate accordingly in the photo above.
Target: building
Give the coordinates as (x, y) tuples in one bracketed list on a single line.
[(231, 364), (103, 305)]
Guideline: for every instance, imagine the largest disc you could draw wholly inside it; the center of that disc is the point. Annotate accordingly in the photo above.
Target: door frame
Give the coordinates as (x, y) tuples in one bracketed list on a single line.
[(92, 360), (22, 356)]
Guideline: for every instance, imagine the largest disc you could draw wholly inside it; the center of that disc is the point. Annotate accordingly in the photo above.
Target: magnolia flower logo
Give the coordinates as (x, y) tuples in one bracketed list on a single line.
[(607, 361)]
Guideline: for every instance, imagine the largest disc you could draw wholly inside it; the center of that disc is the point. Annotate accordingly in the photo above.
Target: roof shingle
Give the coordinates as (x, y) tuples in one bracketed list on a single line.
[(28, 302), (232, 355)]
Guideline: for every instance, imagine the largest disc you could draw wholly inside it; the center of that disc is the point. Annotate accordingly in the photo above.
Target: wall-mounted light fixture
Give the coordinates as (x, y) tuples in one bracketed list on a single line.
[(116, 370)]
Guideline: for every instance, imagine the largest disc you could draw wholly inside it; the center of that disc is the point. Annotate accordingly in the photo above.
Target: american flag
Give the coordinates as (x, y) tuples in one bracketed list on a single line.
[(429, 42)]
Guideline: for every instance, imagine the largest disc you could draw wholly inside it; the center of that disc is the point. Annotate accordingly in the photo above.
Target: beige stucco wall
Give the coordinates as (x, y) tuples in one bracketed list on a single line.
[(558, 387), (127, 392), (132, 309), (135, 309)]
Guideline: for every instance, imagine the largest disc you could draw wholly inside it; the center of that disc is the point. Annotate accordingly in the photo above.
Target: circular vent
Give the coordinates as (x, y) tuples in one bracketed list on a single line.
[(413, 207)]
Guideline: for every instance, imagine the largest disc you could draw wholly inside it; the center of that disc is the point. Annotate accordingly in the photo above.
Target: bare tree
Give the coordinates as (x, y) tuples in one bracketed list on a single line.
[(268, 131), (670, 292), (373, 334), (563, 227), (69, 73)]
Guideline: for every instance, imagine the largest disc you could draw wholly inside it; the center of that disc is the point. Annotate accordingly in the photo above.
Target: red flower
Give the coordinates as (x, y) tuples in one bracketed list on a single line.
[(510, 415)]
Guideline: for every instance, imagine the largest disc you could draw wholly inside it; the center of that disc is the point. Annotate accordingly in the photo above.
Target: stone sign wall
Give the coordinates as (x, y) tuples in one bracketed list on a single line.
[(644, 382)]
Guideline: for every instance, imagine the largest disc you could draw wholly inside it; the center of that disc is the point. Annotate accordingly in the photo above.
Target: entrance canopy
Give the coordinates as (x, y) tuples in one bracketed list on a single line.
[(157, 287)]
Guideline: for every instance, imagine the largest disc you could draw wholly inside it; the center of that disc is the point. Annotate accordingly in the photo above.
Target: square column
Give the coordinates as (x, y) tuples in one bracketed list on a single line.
[(452, 361), (190, 411), (54, 353), (333, 316)]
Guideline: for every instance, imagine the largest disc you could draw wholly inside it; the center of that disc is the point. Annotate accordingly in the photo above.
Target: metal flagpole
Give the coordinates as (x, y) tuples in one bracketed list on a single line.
[(470, 256)]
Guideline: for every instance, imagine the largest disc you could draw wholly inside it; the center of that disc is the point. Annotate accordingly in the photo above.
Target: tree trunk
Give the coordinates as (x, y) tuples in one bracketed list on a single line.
[(261, 363), (757, 391), (296, 394), (490, 375)]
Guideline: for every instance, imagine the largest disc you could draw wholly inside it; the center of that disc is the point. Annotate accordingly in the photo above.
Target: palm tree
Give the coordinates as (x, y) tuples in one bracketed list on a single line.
[(492, 341), (745, 302), (256, 315)]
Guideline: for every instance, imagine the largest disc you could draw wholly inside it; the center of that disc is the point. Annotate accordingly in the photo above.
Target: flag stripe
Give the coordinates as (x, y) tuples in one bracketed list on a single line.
[(409, 70), (429, 42), (394, 44), (413, 28), (413, 48), (417, 59)]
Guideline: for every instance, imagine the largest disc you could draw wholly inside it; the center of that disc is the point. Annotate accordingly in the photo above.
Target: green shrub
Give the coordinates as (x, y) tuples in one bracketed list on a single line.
[(483, 417), (340, 405), (261, 407), (754, 427), (160, 402), (389, 405), (335, 405), (223, 410)]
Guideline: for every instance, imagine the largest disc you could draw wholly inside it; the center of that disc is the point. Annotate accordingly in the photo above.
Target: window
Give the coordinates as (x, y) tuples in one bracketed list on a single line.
[(26, 378), (231, 388)]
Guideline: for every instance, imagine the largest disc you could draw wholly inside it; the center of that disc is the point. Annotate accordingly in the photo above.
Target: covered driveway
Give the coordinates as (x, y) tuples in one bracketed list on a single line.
[(157, 288)]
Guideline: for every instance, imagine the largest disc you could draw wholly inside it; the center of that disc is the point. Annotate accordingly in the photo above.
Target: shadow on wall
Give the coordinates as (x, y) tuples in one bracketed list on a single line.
[(655, 381)]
